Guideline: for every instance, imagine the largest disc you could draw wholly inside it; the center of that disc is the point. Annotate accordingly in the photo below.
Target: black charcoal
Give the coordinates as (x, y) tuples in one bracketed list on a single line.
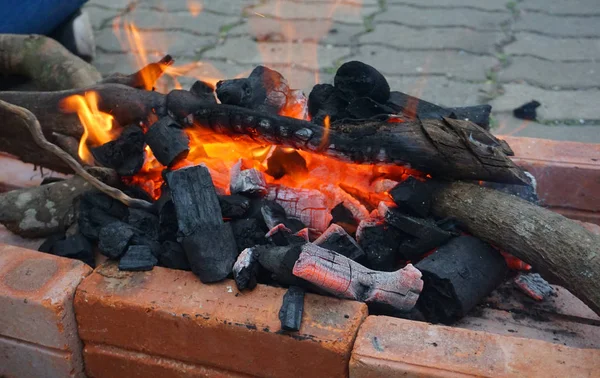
[(336, 239), (457, 276), (533, 285), (279, 261), (168, 142), (284, 161), (527, 111), (380, 242), (250, 182), (356, 79), (173, 256), (124, 154), (138, 258), (234, 206), (292, 308), (326, 100), (245, 269), (144, 221), (248, 233), (75, 246), (413, 196), (114, 239)]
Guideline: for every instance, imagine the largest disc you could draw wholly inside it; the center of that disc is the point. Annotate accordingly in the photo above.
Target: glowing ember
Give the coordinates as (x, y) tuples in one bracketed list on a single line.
[(97, 125)]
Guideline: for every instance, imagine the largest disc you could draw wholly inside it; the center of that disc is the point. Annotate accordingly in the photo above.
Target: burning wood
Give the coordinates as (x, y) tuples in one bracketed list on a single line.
[(308, 205), (345, 278), (168, 142), (336, 239), (247, 181)]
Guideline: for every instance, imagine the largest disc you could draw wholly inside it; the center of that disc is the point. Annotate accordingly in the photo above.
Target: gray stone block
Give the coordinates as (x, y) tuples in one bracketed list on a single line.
[(438, 90), (422, 17), (553, 48), (556, 105), (454, 64), (563, 7), (490, 5), (340, 12), (554, 75), (101, 17), (561, 26), (203, 24), (404, 37)]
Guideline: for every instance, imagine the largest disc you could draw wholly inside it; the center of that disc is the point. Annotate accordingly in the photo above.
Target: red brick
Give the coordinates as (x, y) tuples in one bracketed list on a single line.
[(108, 361), (567, 173), (391, 347), (170, 313), (37, 322)]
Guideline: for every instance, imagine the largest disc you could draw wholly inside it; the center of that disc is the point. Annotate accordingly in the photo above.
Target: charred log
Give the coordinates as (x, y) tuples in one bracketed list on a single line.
[(345, 278), (560, 249)]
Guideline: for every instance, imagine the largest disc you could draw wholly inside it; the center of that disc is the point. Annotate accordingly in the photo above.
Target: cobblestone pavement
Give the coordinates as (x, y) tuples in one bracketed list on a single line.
[(453, 53)]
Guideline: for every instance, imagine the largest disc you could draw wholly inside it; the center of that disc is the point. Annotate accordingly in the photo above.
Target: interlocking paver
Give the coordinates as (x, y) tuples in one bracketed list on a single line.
[(100, 17), (340, 12), (563, 7), (201, 24), (424, 17), (404, 37), (558, 26), (549, 74), (493, 5), (556, 105), (452, 63), (552, 48), (439, 90)]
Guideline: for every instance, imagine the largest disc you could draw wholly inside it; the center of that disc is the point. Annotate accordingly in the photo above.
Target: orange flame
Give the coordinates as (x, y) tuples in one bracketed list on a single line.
[(97, 125), (325, 138), (195, 7)]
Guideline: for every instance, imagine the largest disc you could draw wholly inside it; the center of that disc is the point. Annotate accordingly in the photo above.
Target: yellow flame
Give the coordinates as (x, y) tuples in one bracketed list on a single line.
[(325, 139), (97, 125)]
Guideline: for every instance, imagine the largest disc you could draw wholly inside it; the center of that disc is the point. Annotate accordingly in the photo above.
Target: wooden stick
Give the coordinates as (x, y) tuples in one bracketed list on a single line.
[(561, 249), (36, 132)]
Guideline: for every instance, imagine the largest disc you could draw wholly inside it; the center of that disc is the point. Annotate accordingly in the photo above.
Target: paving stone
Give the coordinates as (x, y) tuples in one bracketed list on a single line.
[(104, 361), (562, 7), (387, 347), (156, 43), (37, 322), (101, 17), (508, 125), (172, 314), (553, 48), (273, 30), (340, 12), (556, 105), (115, 4), (456, 64), (423, 17), (477, 42), (561, 26), (108, 64), (490, 5), (230, 7), (548, 74), (203, 24), (244, 50), (438, 90)]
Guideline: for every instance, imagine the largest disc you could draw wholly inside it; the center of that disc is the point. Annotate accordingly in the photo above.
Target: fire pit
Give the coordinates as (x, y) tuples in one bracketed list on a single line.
[(357, 191)]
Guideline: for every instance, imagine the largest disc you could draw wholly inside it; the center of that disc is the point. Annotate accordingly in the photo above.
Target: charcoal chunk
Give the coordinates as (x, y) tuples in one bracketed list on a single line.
[(138, 258), (356, 79), (173, 256), (245, 269), (380, 242), (336, 239), (144, 221), (326, 100), (364, 108), (75, 246), (250, 182), (533, 285), (211, 251), (292, 308), (282, 162), (204, 91), (279, 261), (343, 217), (413, 196), (124, 154), (527, 111), (248, 233), (114, 239), (168, 142), (234, 206)]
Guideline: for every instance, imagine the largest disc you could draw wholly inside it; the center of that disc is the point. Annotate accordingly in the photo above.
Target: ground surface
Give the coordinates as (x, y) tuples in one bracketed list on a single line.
[(453, 53)]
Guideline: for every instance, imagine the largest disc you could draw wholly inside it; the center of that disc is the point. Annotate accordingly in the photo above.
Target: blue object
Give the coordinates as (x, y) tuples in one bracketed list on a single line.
[(35, 16)]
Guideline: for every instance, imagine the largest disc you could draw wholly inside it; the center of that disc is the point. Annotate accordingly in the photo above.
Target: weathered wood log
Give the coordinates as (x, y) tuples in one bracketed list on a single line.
[(345, 278), (560, 249), (48, 63)]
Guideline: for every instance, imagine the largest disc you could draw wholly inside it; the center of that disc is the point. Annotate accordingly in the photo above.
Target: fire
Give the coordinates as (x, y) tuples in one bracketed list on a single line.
[(194, 7), (97, 125), (325, 139)]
